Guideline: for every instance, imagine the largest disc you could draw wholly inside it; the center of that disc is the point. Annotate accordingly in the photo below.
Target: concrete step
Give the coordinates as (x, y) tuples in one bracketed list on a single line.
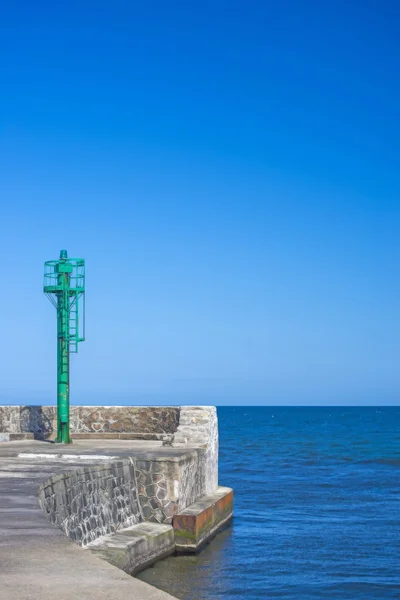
[(199, 522), (135, 548)]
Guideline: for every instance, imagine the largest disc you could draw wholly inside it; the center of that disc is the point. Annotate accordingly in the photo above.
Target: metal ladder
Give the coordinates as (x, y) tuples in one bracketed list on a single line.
[(73, 332)]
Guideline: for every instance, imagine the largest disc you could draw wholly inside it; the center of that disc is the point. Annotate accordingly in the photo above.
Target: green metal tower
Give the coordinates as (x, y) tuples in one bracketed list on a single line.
[(64, 285)]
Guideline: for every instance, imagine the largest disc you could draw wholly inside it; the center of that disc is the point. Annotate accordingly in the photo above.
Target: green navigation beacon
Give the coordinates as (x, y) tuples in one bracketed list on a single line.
[(64, 285)]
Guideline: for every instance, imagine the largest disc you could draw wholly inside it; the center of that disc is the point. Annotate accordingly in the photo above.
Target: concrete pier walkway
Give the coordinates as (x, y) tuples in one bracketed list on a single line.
[(37, 560)]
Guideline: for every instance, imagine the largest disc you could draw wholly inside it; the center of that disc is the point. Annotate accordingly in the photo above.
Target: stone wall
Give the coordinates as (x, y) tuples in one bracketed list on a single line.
[(198, 426), (42, 420), (168, 485), (92, 501), (27, 419), (124, 419)]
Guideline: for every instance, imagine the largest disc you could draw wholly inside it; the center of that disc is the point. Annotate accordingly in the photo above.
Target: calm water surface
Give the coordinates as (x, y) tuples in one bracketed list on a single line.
[(317, 509)]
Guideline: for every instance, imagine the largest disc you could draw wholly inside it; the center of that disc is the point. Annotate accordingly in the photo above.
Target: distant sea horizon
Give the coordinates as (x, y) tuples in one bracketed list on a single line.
[(10, 400)]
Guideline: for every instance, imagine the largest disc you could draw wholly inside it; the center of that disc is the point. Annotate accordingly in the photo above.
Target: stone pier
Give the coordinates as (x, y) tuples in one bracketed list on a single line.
[(136, 485)]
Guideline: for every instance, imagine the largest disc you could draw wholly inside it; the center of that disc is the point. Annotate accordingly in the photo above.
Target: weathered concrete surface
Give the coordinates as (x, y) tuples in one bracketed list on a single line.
[(36, 559), (138, 545), (16, 437), (89, 447), (198, 523), (118, 436)]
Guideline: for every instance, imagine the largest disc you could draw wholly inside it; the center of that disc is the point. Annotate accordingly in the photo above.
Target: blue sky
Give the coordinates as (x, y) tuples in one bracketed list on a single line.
[(230, 173)]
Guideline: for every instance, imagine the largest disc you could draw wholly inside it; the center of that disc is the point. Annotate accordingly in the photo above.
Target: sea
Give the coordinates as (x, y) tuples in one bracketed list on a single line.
[(317, 509)]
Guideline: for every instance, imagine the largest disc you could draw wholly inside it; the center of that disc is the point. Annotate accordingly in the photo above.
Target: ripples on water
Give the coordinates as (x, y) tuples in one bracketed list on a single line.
[(316, 509)]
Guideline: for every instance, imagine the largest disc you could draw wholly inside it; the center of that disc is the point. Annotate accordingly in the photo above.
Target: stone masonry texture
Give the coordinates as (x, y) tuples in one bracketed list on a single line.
[(41, 420), (93, 501), (166, 487), (198, 426), (98, 500)]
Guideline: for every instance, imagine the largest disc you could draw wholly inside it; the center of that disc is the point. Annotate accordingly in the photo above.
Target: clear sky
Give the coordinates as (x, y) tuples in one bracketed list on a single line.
[(230, 172)]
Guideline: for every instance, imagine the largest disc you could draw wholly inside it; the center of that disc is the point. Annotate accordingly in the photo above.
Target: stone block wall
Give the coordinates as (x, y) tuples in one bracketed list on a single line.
[(103, 508), (198, 426), (92, 501), (42, 420), (168, 485), (124, 419), (28, 419), (97, 500)]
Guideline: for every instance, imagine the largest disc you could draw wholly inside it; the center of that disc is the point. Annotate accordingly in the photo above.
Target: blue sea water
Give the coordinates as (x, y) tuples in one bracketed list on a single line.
[(317, 509)]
